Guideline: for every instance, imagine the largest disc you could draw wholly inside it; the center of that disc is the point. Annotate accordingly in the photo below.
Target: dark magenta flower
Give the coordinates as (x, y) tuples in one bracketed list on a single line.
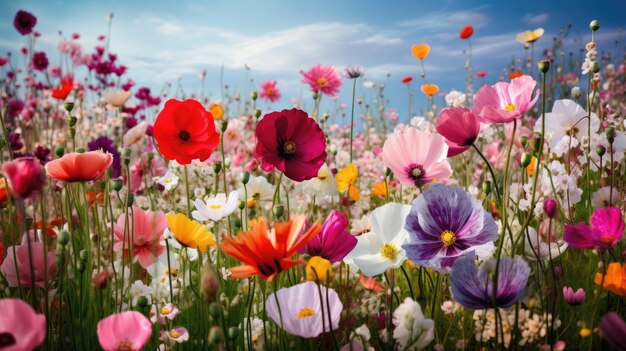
[(40, 61), (24, 22), (473, 288), (105, 144), (613, 330), (607, 227), (444, 223), (333, 242), (25, 175), (292, 142)]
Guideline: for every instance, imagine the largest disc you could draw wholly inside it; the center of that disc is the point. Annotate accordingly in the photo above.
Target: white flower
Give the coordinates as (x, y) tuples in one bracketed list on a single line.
[(258, 189), (256, 333), (544, 249), (323, 184), (381, 248), (567, 118), (364, 332), (135, 134), (412, 331), (602, 197), (368, 84), (455, 98), (117, 98), (216, 207), (176, 335), (450, 307), (169, 181), (139, 289)]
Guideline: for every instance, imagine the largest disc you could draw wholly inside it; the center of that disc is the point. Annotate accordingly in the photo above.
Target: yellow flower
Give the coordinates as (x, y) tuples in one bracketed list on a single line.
[(380, 189), (190, 233), (585, 332), (530, 170), (217, 111), (318, 269), (529, 36), (346, 177), (420, 51)]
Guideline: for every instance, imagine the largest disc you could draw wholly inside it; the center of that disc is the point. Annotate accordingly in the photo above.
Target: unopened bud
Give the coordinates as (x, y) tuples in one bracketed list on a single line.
[(217, 167), (216, 335), (117, 184), (233, 332), (601, 150), (526, 158), (388, 172), (63, 238), (278, 210), (610, 135), (594, 25), (254, 95), (487, 187), (130, 199), (544, 66), (245, 178), (257, 113), (209, 282), (223, 126), (59, 151), (550, 207), (595, 68), (315, 95), (576, 93), (241, 205), (142, 301), (80, 267), (523, 140), (80, 150), (72, 121), (83, 255), (69, 106), (215, 310)]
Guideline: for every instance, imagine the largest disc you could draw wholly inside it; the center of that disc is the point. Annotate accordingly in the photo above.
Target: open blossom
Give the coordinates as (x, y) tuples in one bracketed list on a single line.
[(21, 260), (333, 242), (21, 328), (127, 330), (412, 331), (147, 229), (460, 128), (323, 184), (77, 167), (567, 119), (607, 228), (504, 102), (268, 90), (215, 207), (24, 22), (25, 175), (324, 79)]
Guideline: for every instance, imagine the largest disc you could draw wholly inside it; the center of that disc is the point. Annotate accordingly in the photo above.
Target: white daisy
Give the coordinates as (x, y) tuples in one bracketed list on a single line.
[(216, 207)]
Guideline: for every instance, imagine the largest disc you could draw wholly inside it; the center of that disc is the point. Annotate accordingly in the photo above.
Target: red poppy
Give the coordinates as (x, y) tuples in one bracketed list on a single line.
[(62, 91), (407, 79), (481, 74), (185, 131), (466, 32), (292, 142)]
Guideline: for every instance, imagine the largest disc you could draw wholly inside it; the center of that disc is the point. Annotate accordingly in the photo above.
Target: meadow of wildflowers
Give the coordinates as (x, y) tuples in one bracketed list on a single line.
[(140, 220)]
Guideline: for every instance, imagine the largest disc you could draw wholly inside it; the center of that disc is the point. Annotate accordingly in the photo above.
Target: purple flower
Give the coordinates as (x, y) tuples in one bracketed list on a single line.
[(42, 153), (15, 108), (40, 61), (333, 242), (473, 288), (574, 298), (24, 22), (607, 227), (15, 140), (105, 144), (353, 72), (613, 330), (445, 223)]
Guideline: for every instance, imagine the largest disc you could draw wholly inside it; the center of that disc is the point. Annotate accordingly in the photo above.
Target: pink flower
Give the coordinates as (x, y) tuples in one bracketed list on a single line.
[(128, 330), (607, 227), (460, 128), (154, 168), (20, 327), (323, 78), (505, 102), (25, 175), (269, 90), (23, 265), (147, 232), (417, 158)]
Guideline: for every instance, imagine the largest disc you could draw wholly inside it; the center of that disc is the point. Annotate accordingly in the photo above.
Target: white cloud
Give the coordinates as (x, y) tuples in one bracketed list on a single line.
[(535, 19), (448, 19), (380, 40)]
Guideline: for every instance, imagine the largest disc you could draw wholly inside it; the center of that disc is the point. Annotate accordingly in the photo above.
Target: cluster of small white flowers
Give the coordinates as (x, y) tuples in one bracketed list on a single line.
[(450, 307), (370, 305), (412, 331), (532, 327), (256, 333), (590, 57), (455, 98), (565, 184)]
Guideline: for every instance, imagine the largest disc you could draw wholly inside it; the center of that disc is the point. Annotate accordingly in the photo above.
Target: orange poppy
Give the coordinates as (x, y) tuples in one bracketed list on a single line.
[(48, 228), (466, 32), (430, 89), (217, 111), (380, 189), (614, 279), (268, 252), (420, 51), (515, 74), (92, 196)]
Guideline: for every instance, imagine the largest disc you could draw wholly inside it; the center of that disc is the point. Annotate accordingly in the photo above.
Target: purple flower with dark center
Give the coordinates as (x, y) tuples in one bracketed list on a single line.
[(40, 61), (105, 144), (333, 242), (444, 223), (24, 22), (574, 298), (613, 330), (473, 288)]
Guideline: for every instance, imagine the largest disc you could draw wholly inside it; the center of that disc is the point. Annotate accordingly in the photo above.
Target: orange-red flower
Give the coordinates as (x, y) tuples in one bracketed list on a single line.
[(466, 32), (268, 252), (407, 79), (77, 167), (185, 131), (62, 91), (614, 279), (370, 283), (420, 51), (515, 74), (430, 89)]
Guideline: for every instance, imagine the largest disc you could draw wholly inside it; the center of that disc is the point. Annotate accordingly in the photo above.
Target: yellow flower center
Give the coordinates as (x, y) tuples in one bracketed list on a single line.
[(389, 251), (167, 180), (289, 148), (215, 206), (175, 334), (124, 345), (509, 108), (448, 238), (173, 272), (322, 81), (305, 312), (165, 310)]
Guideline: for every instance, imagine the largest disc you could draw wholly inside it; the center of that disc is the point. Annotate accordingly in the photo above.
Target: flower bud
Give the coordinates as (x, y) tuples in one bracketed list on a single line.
[(278, 210), (523, 140), (69, 106), (72, 121), (544, 66), (215, 310), (223, 126), (101, 280), (574, 298), (245, 178), (130, 199), (388, 171), (80, 150), (209, 282), (117, 184), (526, 158), (318, 269), (216, 335), (142, 301), (487, 187), (595, 68), (315, 95), (601, 150), (25, 176), (63, 238), (241, 205), (610, 135), (59, 151), (576, 92), (257, 113), (594, 25), (217, 167), (71, 133), (83, 255), (550, 207), (254, 95)]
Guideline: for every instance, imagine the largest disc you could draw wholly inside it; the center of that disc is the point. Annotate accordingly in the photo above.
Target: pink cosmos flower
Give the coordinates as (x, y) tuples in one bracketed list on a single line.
[(323, 78), (147, 229), (269, 90), (23, 265), (127, 330), (145, 169), (504, 102), (460, 128), (20, 327), (417, 158), (607, 227)]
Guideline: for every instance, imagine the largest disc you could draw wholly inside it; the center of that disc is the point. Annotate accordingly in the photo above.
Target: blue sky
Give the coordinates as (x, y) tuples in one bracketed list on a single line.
[(162, 41)]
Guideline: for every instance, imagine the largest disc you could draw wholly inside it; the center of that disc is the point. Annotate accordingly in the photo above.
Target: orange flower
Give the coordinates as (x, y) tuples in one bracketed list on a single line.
[(530, 170), (217, 111), (48, 228), (380, 189), (77, 167), (62, 91), (370, 283), (430, 89), (267, 252), (515, 74), (420, 51), (614, 279)]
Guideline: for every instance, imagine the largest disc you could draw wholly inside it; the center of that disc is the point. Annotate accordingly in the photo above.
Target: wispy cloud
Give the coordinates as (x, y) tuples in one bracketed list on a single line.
[(535, 19)]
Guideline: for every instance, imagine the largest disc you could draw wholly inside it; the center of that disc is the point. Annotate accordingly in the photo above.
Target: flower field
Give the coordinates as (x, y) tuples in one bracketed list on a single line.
[(485, 219)]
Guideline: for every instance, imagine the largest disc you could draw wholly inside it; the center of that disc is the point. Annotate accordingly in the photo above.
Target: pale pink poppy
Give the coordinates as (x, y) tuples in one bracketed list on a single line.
[(154, 168), (146, 229), (127, 330), (21, 328), (135, 134), (79, 167), (23, 274), (504, 102)]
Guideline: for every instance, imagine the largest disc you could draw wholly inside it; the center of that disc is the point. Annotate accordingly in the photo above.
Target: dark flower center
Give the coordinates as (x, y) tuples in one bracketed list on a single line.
[(184, 135), (288, 149), (6, 339), (417, 173)]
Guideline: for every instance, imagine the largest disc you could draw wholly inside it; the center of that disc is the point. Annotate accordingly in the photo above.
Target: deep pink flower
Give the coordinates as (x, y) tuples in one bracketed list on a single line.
[(25, 175), (269, 90), (23, 265), (147, 232), (334, 242), (504, 102), (607, 227), (3, 61), (460, 128), (292, 142), (574, 298), (127, 330), (20, 327), (24, 22), (323, 78), (417, 158), (40, 61)]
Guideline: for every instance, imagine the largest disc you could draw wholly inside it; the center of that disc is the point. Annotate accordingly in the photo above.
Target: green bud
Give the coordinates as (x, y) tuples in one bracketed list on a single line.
[(102, 185), (388, 172), (216, 335), (58, 258), (254, 95), (130, 199), (217, 167), (257, 113), (526, 158), (595, 68), (72, 121), (601, 150), (59, 151), (278, 210), (63, 238), (523, 140), (536, 144), (142, 301), (487, 187), (610, 134), (315, 95), (80, 150), (233, 332), (83, 255), (544, 66), (241, 205), (215, 310), (150, 156), (80, 266), (117, 184), (245, 178), (223, 126), (594, 25), (69, 106)]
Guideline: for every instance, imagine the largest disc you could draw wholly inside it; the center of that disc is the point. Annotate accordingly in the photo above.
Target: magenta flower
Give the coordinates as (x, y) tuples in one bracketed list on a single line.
[(613, 329), (504, 102), (323, 78), (292, 142), (127, 330), (607, 227), (574, 298), (333, 242), (417, 158), (460, 128), (146, 229), (269, 90), (20, 327), (23, 273), (25, 174), (40, 61), (24, 22)]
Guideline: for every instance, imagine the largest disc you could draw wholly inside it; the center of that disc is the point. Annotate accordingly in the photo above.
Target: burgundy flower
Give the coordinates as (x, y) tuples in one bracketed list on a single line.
[(292, 142), (40, 61), (24, 22)]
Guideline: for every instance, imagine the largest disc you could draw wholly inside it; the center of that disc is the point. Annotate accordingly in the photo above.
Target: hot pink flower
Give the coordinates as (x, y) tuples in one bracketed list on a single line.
[(20, 327), (504, 102), (128, 330), (269, 90), (607, 227), (23, 265), (323, 78), (417, 158), (147, 232), (25, 175), (460, 128)]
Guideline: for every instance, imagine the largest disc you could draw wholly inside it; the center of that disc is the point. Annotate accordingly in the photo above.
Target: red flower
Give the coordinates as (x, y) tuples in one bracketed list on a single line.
[(185, 131), (466, 32), (62, 91), (481, 74), (407, 79), (292, 142)]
